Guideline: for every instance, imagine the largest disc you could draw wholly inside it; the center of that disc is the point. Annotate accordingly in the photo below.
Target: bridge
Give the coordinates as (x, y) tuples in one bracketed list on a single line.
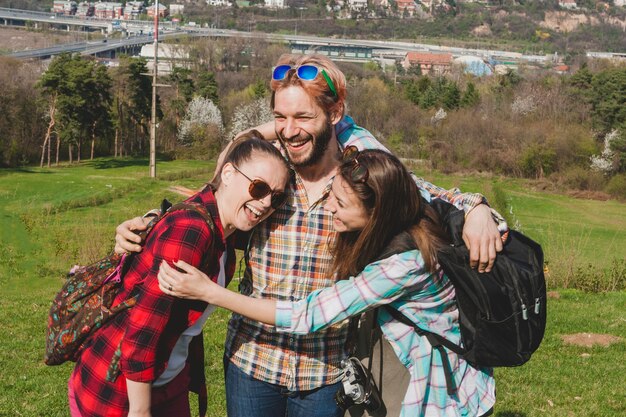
[(139, 34)]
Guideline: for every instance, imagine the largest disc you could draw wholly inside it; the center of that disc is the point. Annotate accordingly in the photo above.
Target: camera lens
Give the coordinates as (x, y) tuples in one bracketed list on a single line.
[(343, 401)]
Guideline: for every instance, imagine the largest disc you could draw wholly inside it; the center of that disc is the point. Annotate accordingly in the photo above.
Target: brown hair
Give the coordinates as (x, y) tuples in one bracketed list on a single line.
[(394, 204), (244, 148), (318, 88)]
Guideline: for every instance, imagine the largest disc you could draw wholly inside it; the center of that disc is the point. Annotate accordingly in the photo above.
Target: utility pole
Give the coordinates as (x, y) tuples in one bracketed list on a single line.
[(153, 120)]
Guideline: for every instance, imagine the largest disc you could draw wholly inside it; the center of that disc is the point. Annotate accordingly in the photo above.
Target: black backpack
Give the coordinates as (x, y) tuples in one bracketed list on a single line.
[(502, 313)]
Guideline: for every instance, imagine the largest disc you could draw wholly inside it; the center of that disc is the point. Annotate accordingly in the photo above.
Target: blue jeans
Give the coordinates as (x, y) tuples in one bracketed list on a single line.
[(247, 397)]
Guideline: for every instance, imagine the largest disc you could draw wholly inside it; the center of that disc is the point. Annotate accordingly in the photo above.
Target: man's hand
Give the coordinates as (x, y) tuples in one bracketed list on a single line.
[(482, 238), (126, 237)]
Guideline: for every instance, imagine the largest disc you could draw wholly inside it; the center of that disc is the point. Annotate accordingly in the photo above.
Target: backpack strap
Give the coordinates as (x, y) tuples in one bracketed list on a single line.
[(196, 347), (198, 378), (402, 242), (452, 220), (436, 341)]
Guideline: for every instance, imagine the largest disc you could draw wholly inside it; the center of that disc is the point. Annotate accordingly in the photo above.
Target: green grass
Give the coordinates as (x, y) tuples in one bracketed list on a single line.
[(576, 234), (53, 218)]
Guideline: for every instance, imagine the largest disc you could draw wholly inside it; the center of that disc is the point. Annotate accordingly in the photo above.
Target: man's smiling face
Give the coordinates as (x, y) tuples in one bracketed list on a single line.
[(301, 125)]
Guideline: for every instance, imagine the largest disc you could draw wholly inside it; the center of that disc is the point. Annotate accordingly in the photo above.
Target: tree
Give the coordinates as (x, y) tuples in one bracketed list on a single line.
[(581, 79), (50, 85), (470, 96), (258, 89), (608, 99), (412, 92), (429, 98), (207, 86), (180, 79), (452, 96), (133, 102), (202, 129), (78, 92), (99, 104), (249, 115), (22, 117), (618, 146)]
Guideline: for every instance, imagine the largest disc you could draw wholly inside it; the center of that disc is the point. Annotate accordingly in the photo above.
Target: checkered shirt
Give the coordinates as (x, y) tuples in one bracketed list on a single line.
[(150, 329), (289, 257)]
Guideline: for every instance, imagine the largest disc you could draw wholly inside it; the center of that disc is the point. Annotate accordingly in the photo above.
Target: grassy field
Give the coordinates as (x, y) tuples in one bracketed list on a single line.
[(53, 218)]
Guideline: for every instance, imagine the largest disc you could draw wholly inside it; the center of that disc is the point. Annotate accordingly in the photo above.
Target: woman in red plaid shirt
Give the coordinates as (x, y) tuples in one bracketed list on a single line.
[(139, 363)]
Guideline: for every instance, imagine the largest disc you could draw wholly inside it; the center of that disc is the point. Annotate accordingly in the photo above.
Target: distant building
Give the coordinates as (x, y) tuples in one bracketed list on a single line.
[(85, 9), (568, 4), (218, 3), (169, 56), (406, 6), (163, 11), (67, 8), (357, 5), (177, 9), (473, 65), (561, 69), (108, 10), (133, 9), (275, 4), (381, 4), (437, 64)]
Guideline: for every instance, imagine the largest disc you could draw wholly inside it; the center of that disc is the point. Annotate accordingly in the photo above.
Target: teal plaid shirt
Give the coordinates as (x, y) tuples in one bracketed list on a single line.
[(288, 258)]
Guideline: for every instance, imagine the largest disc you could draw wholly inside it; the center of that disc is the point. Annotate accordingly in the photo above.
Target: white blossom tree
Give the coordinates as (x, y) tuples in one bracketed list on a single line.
[(605, 161), (523, 106), (439, 116), (250, 115), (201, 115)]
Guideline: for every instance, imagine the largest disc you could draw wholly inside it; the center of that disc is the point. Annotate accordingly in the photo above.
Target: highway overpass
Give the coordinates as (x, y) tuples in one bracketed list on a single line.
[(344, 48)]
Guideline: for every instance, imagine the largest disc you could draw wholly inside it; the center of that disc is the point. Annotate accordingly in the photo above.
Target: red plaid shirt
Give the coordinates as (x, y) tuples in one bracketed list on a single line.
[(150, 329)]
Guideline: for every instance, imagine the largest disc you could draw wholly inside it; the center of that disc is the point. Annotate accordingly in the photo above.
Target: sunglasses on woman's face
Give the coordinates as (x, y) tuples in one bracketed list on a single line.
[(359, 173), (305, 73), (258, 189)]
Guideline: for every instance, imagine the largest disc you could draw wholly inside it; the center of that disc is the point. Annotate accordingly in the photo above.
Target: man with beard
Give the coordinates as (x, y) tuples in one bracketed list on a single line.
[(269, 373)]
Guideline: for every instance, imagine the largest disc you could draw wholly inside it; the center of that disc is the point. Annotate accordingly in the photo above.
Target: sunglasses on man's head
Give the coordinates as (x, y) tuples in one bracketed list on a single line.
[(305, 73), (359, 173), (258, 189)]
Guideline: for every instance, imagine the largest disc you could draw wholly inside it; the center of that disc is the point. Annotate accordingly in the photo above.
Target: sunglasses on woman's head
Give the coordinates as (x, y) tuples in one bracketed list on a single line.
[(305, 73), (258, 189), (359, 173)]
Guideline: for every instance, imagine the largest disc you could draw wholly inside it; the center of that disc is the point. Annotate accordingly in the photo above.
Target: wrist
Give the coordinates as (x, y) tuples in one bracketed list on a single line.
[(476, 208)]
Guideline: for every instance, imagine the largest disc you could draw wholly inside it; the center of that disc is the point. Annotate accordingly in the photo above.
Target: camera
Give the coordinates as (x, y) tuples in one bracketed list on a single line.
[(358, 388)]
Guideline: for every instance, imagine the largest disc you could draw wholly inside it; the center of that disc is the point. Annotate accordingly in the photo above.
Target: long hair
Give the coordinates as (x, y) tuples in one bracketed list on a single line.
[(318, 88), (393, 204), (243, 149)]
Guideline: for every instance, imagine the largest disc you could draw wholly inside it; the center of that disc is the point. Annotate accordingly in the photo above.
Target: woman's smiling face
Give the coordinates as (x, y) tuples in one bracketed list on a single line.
[(349, 213), (241, 210)]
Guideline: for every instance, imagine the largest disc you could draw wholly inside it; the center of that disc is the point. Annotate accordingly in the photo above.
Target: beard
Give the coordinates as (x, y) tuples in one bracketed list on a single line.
[(320, 145)]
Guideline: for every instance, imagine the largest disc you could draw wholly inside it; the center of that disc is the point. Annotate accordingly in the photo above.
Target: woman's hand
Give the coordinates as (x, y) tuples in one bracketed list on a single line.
[(191, 283), (482, 238), (126, 237)]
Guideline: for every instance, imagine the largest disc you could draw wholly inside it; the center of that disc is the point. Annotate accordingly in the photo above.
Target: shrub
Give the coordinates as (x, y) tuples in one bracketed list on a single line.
[(591, 279), (579, 178), (617, 186), (538, 160)]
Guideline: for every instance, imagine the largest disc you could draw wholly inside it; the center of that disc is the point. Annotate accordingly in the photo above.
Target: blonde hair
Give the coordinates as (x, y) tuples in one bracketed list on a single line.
[(318, 89)]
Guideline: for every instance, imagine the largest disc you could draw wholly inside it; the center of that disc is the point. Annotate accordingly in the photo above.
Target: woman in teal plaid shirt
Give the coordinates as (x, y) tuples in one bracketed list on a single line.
[(373, 199)]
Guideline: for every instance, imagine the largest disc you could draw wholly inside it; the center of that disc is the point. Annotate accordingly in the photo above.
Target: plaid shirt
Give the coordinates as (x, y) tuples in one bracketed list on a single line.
[(149, 330), (427, 300), (288, 258)]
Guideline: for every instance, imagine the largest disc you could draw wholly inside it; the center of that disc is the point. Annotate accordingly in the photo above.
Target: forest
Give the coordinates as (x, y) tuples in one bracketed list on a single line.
[(566, 131)]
